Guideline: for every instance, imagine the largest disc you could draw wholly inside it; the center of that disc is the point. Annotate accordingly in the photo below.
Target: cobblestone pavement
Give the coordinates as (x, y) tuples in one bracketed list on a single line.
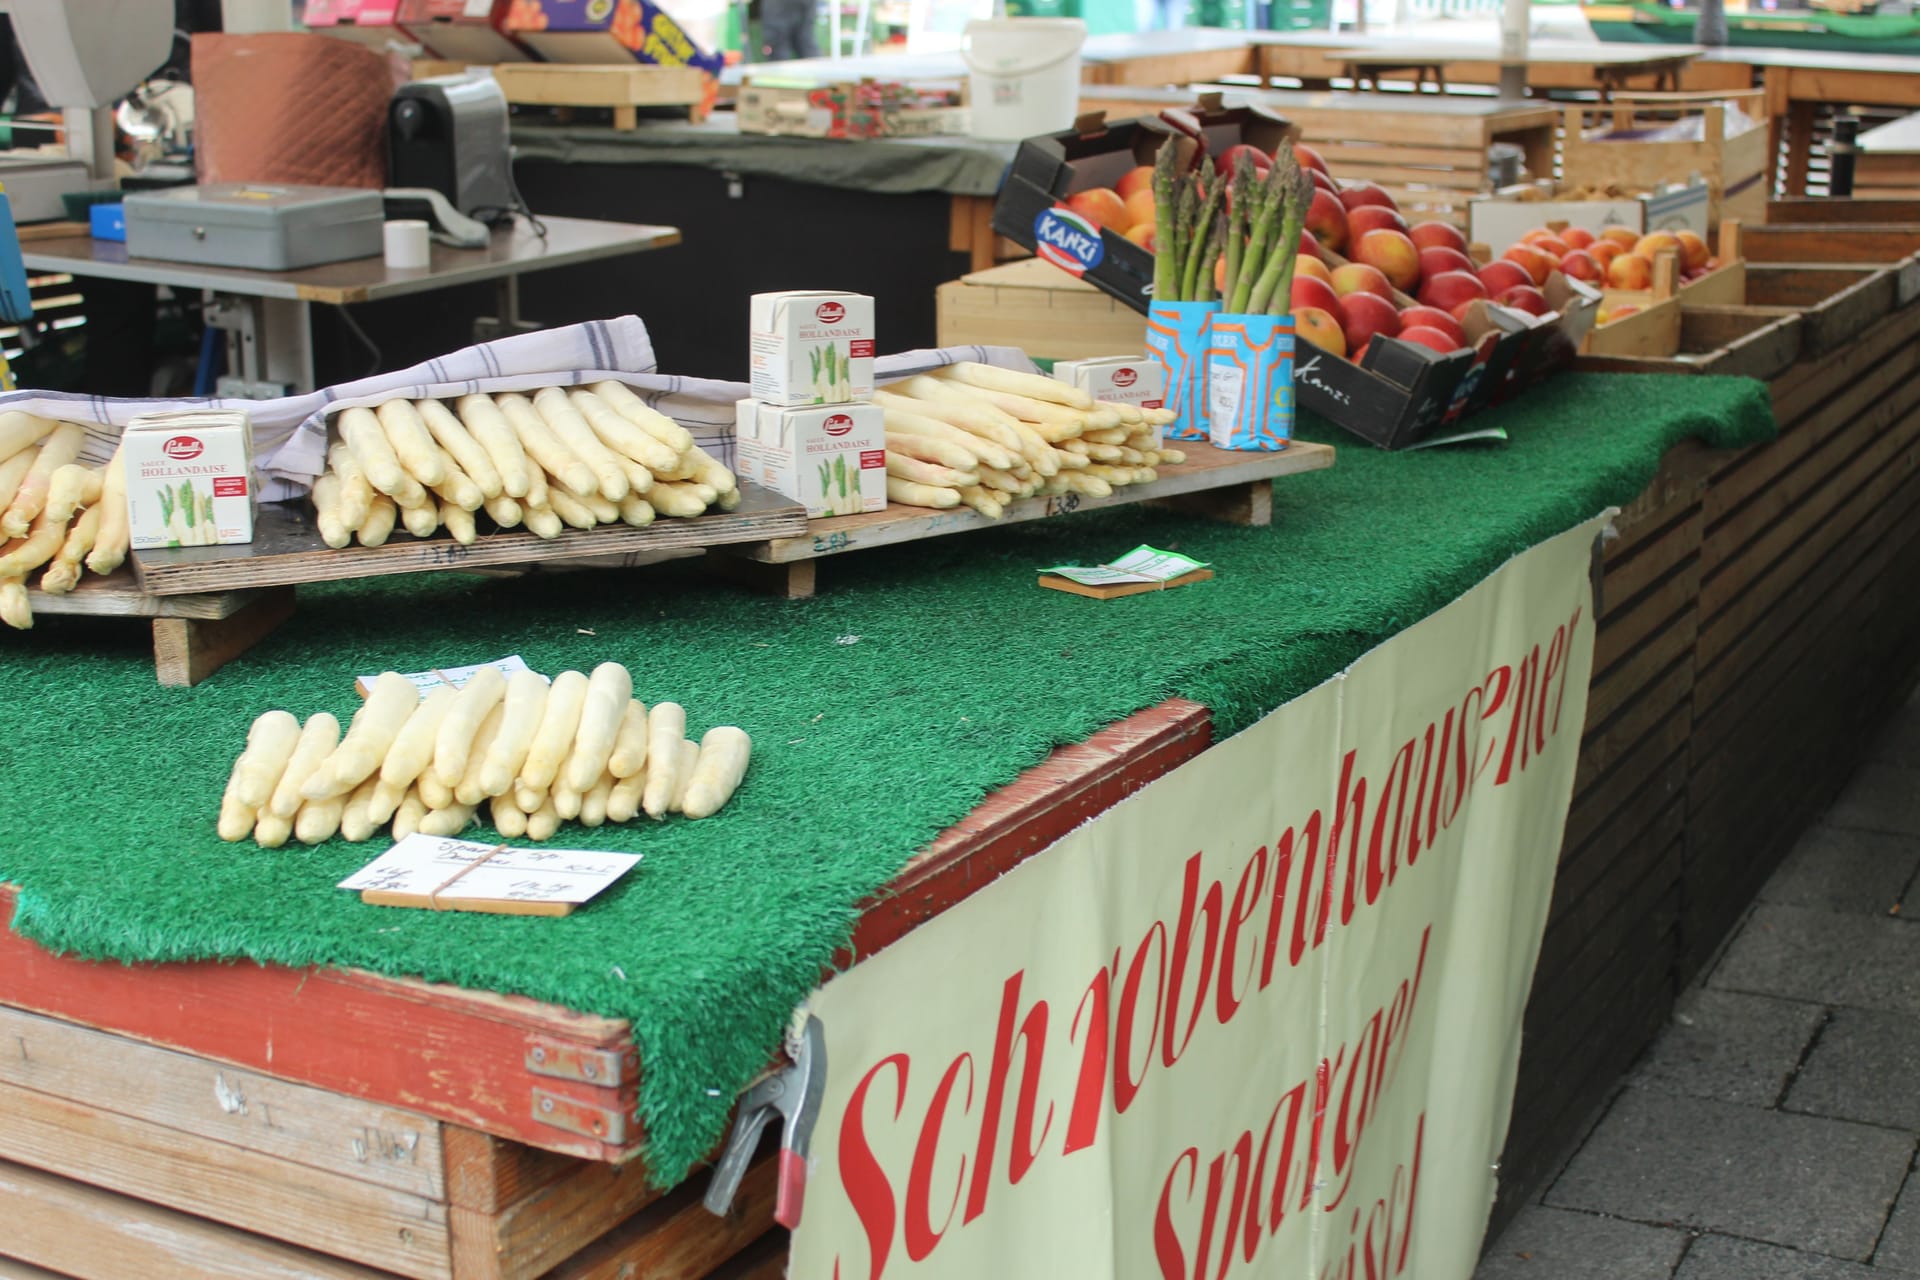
[(1769, 1134)]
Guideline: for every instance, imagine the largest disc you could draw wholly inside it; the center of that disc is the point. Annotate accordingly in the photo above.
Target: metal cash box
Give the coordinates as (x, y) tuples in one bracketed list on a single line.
[(255, 225)]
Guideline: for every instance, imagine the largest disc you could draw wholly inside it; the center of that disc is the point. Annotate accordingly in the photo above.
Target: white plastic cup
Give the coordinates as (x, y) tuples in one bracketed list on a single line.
[(409, 247)]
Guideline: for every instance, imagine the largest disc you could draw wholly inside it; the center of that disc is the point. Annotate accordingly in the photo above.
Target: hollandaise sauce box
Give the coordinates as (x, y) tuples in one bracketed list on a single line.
[(1135, 380), (832, 459), (189, 478), (812, 347)]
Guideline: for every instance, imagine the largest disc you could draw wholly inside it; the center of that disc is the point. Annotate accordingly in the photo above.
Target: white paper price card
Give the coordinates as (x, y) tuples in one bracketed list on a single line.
[(455, 677), (432, 868), (1142, 564)]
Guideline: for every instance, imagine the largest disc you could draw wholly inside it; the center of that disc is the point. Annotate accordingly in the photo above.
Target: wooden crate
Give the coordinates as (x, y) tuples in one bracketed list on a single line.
[(1428, 152), (1737, 342), (1039, 308), (624, 87), (1734, 165), (122, 1159), (1653, 328)]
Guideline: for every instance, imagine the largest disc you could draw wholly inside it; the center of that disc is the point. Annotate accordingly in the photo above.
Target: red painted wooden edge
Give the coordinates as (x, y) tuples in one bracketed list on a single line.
[(468, 1057)]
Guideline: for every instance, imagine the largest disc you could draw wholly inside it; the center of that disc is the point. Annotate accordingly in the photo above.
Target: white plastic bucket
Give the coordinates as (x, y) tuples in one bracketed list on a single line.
[(1024, 75)]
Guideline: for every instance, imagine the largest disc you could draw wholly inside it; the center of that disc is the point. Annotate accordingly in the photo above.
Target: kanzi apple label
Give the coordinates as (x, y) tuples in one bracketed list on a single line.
[(1067, 240)]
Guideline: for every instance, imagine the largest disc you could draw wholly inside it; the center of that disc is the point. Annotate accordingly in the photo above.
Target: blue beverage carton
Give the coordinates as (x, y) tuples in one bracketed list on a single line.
[(1249, 381), (1177, 342)]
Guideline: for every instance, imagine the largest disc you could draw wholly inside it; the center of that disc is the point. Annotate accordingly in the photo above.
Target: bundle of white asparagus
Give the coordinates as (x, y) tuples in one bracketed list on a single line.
[(56, 512), (985, 436), (531, 753), (558, 458)]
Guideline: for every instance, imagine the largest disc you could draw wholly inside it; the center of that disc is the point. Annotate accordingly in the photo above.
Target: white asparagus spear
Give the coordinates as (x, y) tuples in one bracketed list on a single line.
[(412, 443), (378, 526), (1031, 385), (270, 743), (406, 819), (319, 820), (421, 521), (459, 523), (356, 822), (623, 802), (929, 473), (271, 831), (19, 431), (460, 445), (469, 791), (61, 446), (491, 431), (545, 448), (318, 738), (566, 422), (389, 705), (508, 818), (63, 571), (453, 741), (553, 740), (72, 487), (326, 514), (683, 770), (609, 693), (43, 540), (448, 821), (566, 801), (618, 433), (636, 511), (236, 819), (666, 729), (979, 446), (629, 755), (931, 449), (356, 491), (542, 521), (504, 511), (525, 705), (648, 419), (15, 610), (13, 470), (361, 432), (709, 470), (593, 804), (682, 500), (907, 493), (721, 763), (573, 510), (543, 822)]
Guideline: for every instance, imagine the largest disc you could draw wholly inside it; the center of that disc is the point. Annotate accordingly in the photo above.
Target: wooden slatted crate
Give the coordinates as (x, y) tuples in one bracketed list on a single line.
[(122, 1159), (1733, 160)]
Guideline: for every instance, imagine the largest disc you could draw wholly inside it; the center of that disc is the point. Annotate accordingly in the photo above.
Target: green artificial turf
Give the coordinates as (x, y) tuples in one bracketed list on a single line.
[(920, 679)]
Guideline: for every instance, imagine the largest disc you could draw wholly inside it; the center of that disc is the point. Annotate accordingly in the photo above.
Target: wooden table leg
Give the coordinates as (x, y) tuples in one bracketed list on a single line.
[(970, 230), (793, 581), (1242, 504), (188, 650), (1799, 139)]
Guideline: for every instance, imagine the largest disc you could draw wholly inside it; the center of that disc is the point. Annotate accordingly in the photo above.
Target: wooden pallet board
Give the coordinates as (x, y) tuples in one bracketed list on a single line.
[(623, 87), (1226, 484), (193, 635), (286, 548)]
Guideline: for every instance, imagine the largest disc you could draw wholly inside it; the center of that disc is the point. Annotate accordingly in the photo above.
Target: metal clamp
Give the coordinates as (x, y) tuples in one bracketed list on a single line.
[(793, 1093)]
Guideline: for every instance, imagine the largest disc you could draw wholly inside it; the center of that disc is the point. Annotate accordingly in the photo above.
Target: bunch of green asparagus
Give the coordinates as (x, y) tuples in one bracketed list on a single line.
[(1257, 230)]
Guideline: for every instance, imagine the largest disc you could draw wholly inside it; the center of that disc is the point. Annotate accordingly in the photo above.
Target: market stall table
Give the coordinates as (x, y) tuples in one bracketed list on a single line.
[(753, 919), (1609, 67), (1429, 153), (1887, 160), (1315, 59), (1801, 83)]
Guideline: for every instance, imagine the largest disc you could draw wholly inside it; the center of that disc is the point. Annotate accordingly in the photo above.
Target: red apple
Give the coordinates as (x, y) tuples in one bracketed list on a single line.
[(1504, 275), (1393, 254), (1436, 258), (1327, 219), (1310, 291), (1548, 243), (1579, 264), (1355, 194), (1368, 314), (1306, 264), (1359, 277), (1307, 156), (1434, 318), (1578, 238), (1374, 217), (1438, 235), (1434, 338), (1524, 297), (1449, 289), (1229, 161), (1308, 244), (1323, 182), (1693, 250), (1313, 325)]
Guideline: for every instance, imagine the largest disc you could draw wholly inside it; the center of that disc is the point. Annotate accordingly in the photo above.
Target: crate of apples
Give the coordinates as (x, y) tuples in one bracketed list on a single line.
[(1364, 271)]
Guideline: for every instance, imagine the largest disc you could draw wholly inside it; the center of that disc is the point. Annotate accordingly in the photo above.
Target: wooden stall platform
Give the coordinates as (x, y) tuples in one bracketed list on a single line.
[(193, 635), (247, 1122), (1232, 486)]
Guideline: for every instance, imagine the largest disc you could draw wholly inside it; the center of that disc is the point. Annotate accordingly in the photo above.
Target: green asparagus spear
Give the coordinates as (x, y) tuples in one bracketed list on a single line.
[(1186, 225), (1262, 219), (1165, 269), (1237, 222), (1203, 288), (1295, 189), (1199, 260)]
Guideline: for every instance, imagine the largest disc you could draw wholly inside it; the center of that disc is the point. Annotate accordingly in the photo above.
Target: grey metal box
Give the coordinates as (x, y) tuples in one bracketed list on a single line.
[(255, 225)]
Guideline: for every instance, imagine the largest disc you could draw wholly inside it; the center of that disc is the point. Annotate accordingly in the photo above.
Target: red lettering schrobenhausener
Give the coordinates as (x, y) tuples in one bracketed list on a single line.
[(1125, 1029)]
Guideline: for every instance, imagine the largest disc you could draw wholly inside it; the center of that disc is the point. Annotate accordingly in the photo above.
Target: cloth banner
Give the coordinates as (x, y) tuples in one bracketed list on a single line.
[(1260, 1019)]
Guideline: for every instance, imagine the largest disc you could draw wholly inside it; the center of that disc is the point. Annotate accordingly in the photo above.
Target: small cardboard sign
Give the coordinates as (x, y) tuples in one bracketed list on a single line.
[(451, 677), (443, 874)]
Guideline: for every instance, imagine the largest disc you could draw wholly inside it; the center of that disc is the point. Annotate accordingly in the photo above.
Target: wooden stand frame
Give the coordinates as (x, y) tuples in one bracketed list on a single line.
[(193, 635)]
